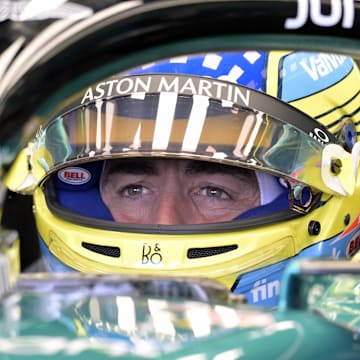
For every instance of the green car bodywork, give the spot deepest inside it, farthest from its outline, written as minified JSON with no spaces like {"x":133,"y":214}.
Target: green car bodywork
{"x":77,"y":316}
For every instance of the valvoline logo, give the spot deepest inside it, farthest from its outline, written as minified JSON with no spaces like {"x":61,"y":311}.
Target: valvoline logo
{"x":74,"y":175}
{"x":314,"y":71}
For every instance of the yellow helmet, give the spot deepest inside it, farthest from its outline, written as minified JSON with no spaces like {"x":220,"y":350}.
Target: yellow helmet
{"x":290,"y":118}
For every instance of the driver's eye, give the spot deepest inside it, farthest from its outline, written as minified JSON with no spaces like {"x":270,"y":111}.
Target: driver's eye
{"x":214,"y":192}
{"x":133,"y":190}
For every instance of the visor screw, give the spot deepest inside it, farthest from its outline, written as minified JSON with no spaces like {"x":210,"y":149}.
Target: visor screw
{"x":314,"y":227}
{"x":335,"y":166}
{"x":347,"y":219}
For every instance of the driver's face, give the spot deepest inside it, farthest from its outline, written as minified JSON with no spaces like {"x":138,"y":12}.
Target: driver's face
{"x":167,"y":191}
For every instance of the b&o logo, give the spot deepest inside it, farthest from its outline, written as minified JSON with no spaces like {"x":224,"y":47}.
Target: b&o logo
{"x":341,"y":12}
{"x":151,"y":254}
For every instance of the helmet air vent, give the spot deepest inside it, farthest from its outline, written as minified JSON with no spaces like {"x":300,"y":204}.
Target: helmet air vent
{"x":195,"y":253}
{"x":112,"y":251}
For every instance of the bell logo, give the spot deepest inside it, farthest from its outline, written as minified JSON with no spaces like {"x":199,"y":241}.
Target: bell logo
{"x":340,"y":12}
{"x":74,"y":175}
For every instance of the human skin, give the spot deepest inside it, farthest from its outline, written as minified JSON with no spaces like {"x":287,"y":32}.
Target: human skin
{"x":173,"y":191}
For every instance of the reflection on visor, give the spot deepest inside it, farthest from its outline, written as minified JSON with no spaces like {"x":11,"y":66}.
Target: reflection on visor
{"x":195,"y":121}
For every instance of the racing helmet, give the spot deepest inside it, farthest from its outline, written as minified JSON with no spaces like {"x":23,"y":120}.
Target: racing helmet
{"x":287,"y":120}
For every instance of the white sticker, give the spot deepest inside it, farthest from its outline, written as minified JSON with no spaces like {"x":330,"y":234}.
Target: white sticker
{"x":74,"y":175}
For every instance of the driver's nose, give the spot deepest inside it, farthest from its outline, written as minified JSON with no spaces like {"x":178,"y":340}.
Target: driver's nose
{"x":171,"y":209}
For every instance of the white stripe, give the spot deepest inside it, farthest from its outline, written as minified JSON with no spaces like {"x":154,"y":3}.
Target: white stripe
{"x":247,"y":135}
{"x":196,"y":123}
{"x":110,"y":111}
{"x":87,"y":129}
{"x":98,"y":105}
{"x":137,"y":139}
{"x":164,"y":120}
{"x":253,"y":134}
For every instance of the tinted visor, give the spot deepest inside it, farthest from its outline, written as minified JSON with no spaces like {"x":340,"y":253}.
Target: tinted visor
{"x":185,"y":117}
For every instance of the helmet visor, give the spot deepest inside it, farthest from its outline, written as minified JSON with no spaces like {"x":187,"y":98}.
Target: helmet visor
{"x":184,"y":117}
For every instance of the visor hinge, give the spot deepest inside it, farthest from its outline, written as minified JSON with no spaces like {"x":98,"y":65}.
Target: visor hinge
{"x":302,"y":199}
